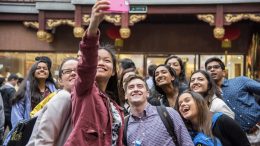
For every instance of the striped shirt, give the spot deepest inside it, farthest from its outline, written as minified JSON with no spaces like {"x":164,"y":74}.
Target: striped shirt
{"x":150,"y":130}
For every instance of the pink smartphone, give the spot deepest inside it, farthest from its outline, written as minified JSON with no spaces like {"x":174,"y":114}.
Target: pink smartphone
{"x":118,"y":6}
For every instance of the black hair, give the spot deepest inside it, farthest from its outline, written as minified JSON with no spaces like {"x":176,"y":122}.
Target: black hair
{"x":127,"y":63}
{"x":34,"y":89}
{"x":2,"y":80}
{"x":212,"y":88}
{"x":220,"y":62}
{"x":112,"y":85}
{"x":151,"y":69}
{"x":20,"y":80}
{"x":45,"y":59}
{"x":182,"y":76}
{"x":12,"y":77}
{"x":175,"y":82}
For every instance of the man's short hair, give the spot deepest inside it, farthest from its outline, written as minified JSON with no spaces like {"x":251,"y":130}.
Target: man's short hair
{"x":12,"y":76}
{"x":132,"y":77}
{"x":220,"y":62}
{"x":151,"y":69}
{"x":127,"y":63}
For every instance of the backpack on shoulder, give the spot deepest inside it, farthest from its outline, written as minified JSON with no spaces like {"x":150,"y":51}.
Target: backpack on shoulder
{"x":21,"y":133}
{"x":166,"y":119}
{"x":203,"y":140}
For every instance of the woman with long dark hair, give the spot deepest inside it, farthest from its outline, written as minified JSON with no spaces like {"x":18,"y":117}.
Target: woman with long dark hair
{"x":37,"y":85}
{"x":202,"y":83}
{"x":177,"y":64}
{"x":53,"y":124}
{"x":167,"y":84}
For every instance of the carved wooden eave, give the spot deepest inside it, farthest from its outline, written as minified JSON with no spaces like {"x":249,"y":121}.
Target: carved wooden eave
{"x":33,"y":24}
{"x":86,"y":19}
{"x":115,"y":19}
{"x":77,"y":14}
{"x":232,"y":18}
{"x":209,"y":18}
{"x":52,"y":23}
{"x":134,"y":18}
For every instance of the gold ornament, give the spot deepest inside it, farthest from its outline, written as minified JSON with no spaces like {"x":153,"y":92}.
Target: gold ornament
{"x":86,"y":19}
{"x":226,"y":43}
{"x":49,"y":37}
{"x":41,"y":35}
{"x":116,"y":19}
{"x":232,"y":18}
{"x":219,"y":32}
{"x":136,"y":18}
{"x":125,"y":33}
{"x":209,"y":18}
{"x":78,"y":32}
{"x":34,"y":24}
{"x":52,"y":23}
{"x":119,"y":42}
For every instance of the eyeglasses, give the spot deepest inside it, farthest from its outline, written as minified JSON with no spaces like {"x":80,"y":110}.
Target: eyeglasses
{"x":213,"y":66}
{"x":68,"y":71}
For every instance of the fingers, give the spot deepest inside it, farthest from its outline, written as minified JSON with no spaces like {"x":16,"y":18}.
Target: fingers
{"x":100,"y":6}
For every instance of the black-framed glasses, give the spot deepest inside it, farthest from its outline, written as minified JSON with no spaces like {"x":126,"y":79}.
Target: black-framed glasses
{"x":68,"y":71}
{"x":213,"y":66}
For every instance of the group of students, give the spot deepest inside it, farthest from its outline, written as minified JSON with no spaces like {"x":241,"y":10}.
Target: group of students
{"x":91,"y":106}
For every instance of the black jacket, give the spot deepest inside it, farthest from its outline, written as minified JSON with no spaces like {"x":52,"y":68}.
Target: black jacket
{"x":7,"y":93}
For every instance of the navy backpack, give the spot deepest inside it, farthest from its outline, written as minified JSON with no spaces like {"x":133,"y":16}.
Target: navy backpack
{"x":203,"y":140}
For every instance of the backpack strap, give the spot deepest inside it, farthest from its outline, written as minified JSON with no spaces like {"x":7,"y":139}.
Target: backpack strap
{"x":125,"y":130}
{"x":215,"y":117}
{"x":167,"y":121}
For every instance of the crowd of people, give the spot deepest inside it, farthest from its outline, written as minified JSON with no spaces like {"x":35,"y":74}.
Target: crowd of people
{"x":97,"y":104}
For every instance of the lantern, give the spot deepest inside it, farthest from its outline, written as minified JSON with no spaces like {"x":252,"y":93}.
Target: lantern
{"x":231,"y":33}
{"x":113,"y":32}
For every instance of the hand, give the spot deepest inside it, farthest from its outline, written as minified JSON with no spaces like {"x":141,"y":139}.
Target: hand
{"x":97,"y":16}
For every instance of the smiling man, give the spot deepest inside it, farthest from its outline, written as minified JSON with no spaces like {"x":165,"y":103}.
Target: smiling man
{"x":238,"y":93}
{"x":145,"y":126}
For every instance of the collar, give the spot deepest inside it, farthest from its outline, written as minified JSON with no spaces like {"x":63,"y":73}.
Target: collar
{"x":148,"y":111}
{"x":9,"y":84}
{"x":225,"y":83}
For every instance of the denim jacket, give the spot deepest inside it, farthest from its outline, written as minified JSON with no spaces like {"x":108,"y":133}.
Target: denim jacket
{"x":21,"y":110}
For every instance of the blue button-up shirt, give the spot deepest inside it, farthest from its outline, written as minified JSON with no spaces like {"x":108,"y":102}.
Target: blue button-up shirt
{"x":238,"y":95}
{"x":150,"y":130}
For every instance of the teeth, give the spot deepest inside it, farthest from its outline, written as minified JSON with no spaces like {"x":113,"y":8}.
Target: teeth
{"x":100,"y":69}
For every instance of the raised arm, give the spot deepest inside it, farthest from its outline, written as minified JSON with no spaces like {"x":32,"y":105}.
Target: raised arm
{"x":89,"y":46}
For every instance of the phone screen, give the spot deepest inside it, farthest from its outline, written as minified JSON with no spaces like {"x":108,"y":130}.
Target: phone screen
{"x":119,"y":6}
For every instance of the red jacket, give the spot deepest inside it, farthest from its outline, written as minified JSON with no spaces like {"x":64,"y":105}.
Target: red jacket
{"x":91,"y":114}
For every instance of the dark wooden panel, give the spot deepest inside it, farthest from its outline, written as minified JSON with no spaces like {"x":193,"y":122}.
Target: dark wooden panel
{"x":59,"y":15}
{"x":18,"y":17}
